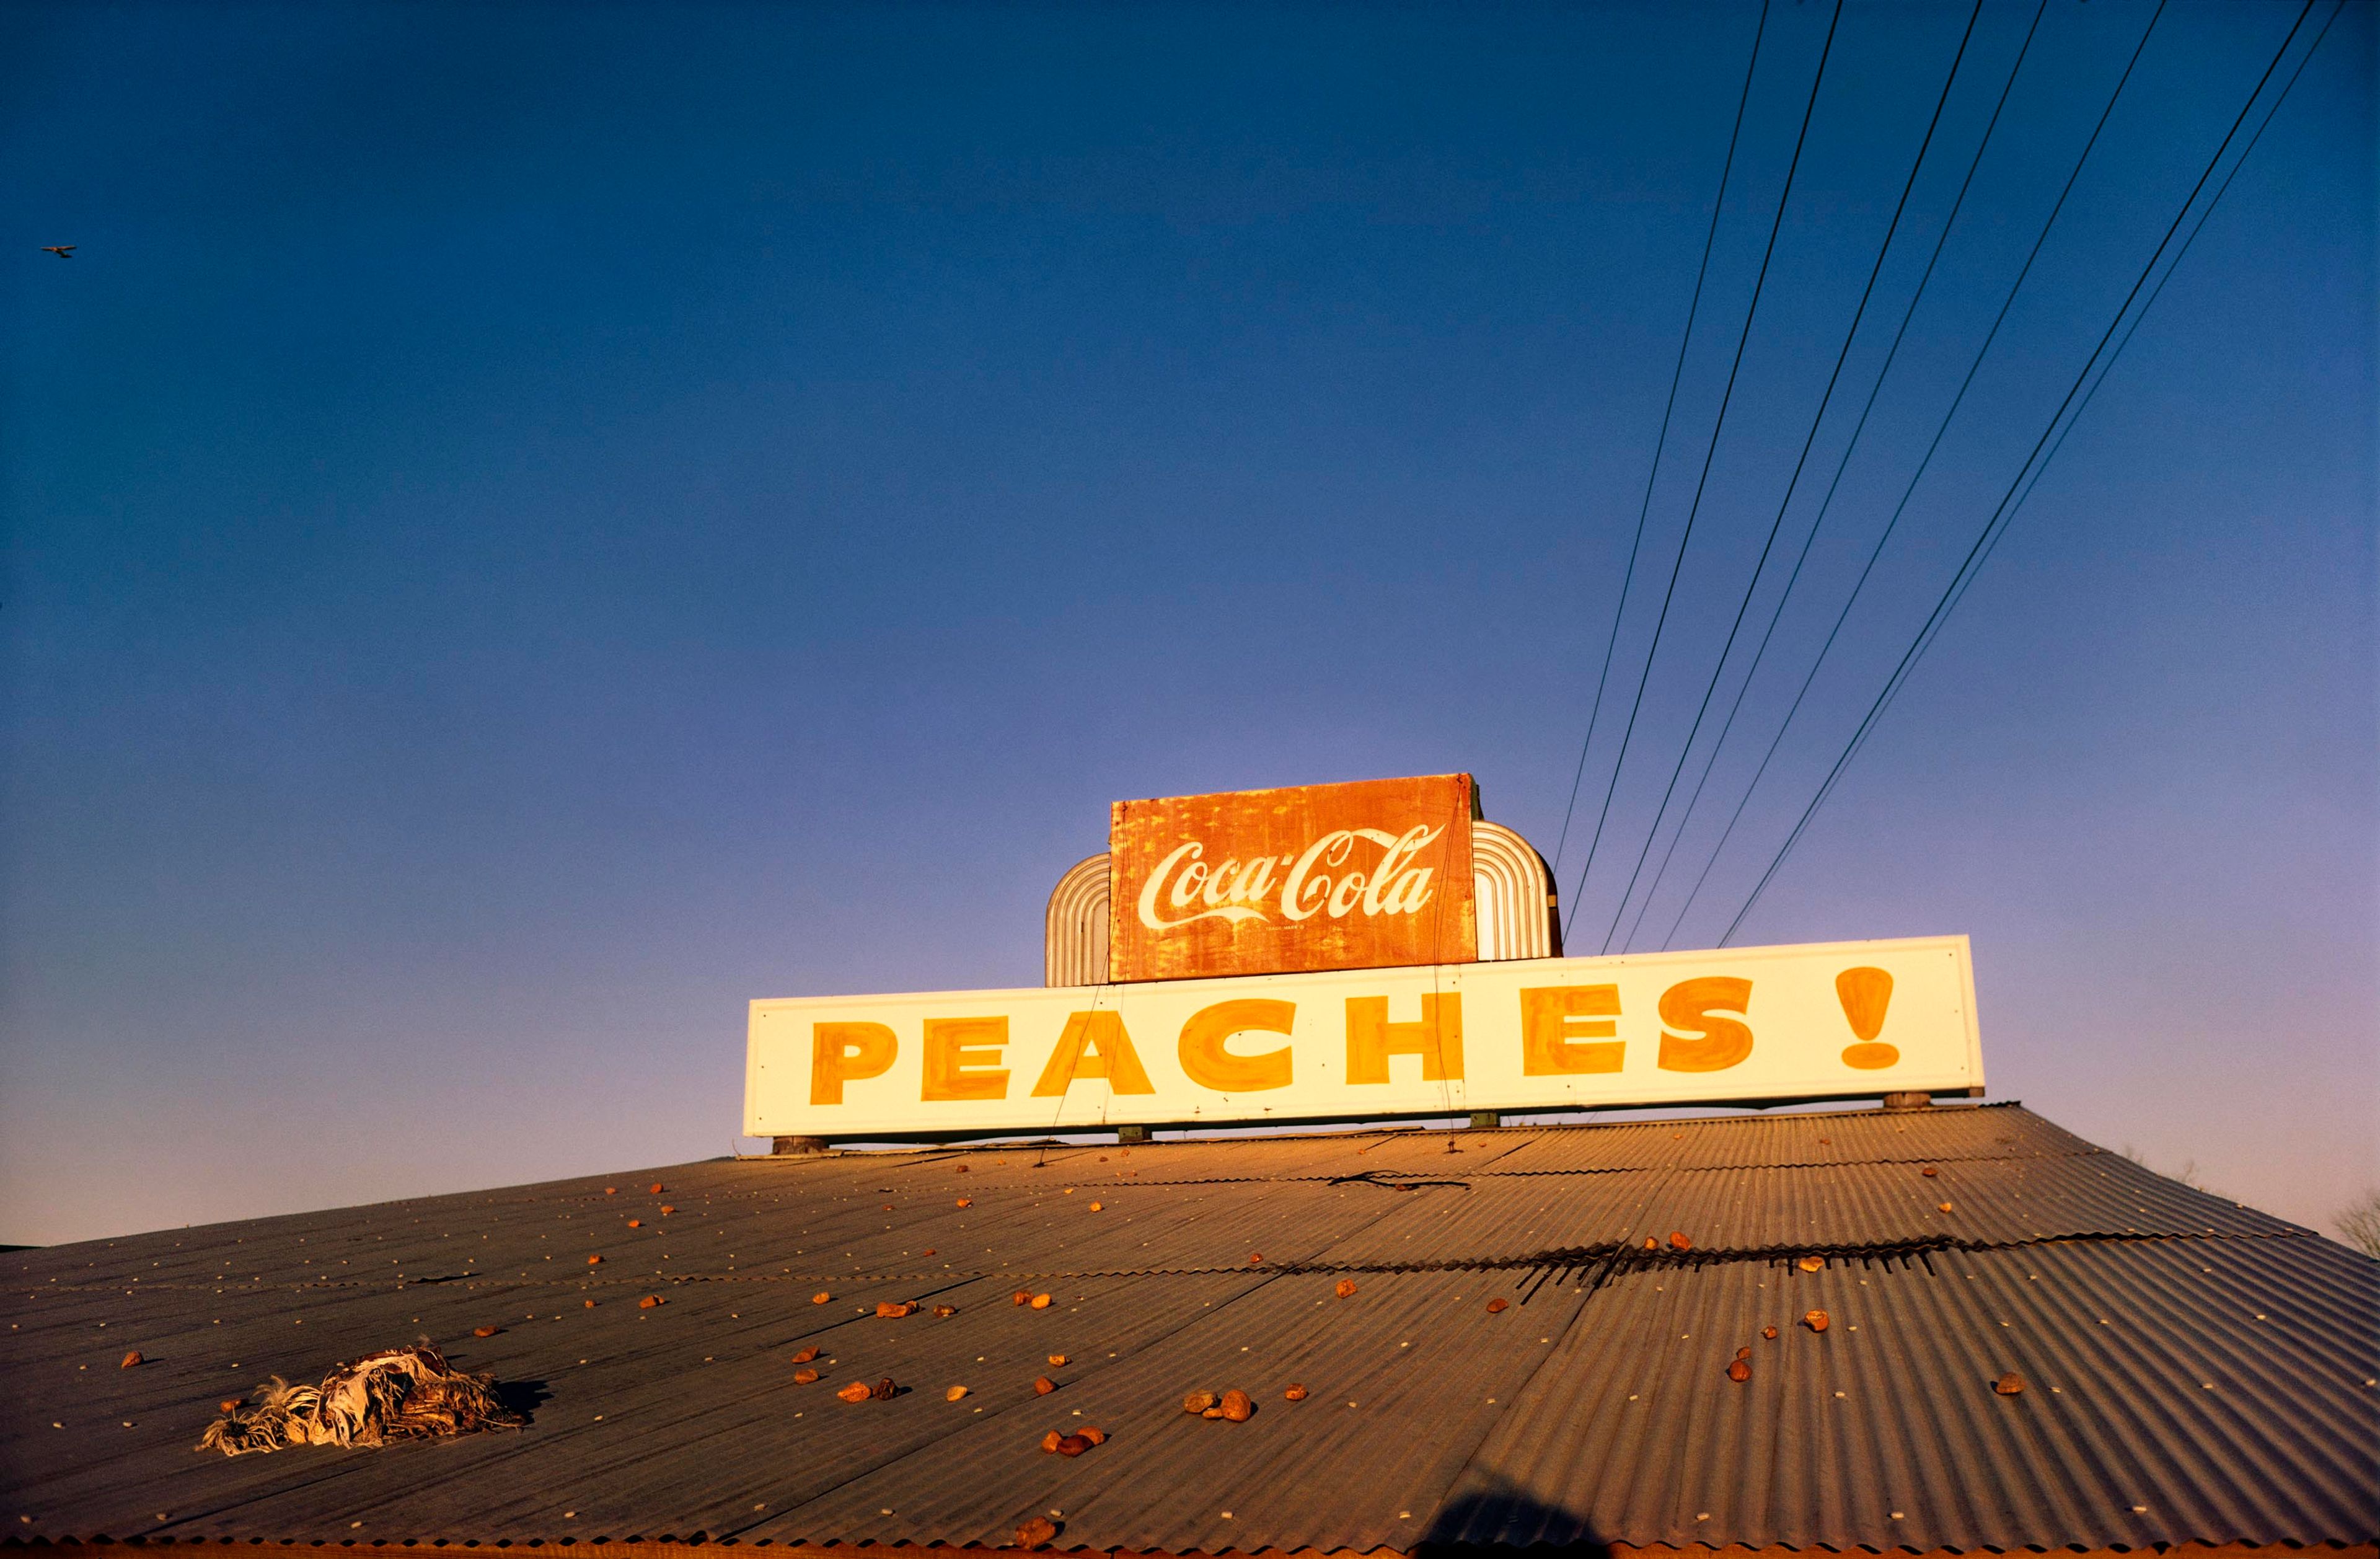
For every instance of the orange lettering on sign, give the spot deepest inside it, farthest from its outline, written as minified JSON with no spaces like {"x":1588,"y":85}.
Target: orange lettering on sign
{"x":841,"y":1053}
{"x":1554,"y":1018}
{"x":1437,"y":1038}
{"x":962,"y":1058}
{"x":1211,"y":1065}
{"x":1366,"y":875}
{"x":1695,"y":1006}
{"x":1865,"y":993}
{"x":1093,"y":1045}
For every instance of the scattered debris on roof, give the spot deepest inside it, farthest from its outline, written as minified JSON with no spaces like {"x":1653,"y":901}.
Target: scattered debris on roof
{"x":397,"y":1394}
{"x":2192,"y":1371}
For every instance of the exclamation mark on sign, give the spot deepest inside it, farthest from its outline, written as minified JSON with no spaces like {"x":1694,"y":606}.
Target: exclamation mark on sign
{"x":1866,"y":993}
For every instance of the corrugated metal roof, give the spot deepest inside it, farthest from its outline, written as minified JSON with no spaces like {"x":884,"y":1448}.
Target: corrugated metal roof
{"x":2209,"y":1365}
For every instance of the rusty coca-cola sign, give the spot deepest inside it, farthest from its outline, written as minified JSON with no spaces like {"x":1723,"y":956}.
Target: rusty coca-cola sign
{"x":1365,"y":875}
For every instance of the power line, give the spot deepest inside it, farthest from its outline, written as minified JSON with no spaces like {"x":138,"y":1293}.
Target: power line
{"x":2154,"y":293}
{"x":1826,"y":504}
{"x":2130,"y":331}
{"x":1876,"y":552}
{"x":2002,"y":509}
{"x":1792,"y":484}
{"x":1692,"y":307}
{"x":1760,"y":282}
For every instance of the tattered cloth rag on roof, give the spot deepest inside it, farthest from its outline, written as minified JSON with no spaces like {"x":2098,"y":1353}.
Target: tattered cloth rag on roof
{"x":398,"y":1394}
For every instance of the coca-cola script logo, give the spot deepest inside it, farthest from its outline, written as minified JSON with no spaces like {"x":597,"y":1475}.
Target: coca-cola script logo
{"x":1368,"y":875}
{"x":1329,"y":877}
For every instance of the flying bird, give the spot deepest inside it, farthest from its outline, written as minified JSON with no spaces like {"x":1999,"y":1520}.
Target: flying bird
{"x":64,"y":251}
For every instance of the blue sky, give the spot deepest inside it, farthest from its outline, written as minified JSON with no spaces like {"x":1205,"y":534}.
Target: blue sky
{"x":527,"y":528}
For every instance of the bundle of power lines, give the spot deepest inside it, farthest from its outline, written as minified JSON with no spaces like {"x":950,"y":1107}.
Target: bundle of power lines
{"x":1624,"y":929}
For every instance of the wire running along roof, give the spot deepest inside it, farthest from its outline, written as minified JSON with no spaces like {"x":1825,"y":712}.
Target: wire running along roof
{"x":2194,"y":1371}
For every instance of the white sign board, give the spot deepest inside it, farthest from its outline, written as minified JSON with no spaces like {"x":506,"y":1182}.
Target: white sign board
{"x":1758,"y":1024}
